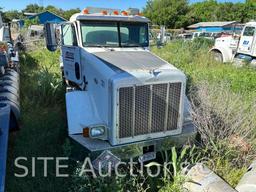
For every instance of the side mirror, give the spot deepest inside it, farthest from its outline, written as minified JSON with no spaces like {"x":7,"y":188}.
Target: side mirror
{"x":51,"y":36}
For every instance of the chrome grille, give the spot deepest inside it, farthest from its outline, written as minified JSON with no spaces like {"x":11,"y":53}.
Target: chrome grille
{"x":159,"y":107}
{"x":142,"y":102}
{"x":126,"y":105}
{"x":148,"y":109}
{"x":173,"y":109}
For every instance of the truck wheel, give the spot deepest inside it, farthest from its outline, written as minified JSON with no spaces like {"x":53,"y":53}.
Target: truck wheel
{"x":217,"y":56}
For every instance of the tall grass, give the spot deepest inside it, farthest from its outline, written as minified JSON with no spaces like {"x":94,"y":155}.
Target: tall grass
{"x":43,"y":127}
{"x":221,"y":115}
{"x":198,"y":65}
{"x":222,"y":99}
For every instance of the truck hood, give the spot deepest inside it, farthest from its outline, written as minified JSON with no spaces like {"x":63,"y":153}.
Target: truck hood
{"x":131,"y":61}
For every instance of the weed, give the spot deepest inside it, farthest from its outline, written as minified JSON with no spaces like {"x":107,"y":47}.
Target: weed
{"x":222,"y":98}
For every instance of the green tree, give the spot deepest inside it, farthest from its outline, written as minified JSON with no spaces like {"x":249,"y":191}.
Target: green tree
{"x":67,"y":14}
{"x":29,"y":22}
{"x":204,"y":11}
{"x":13,"y":14}
{"x":54,"y":10}
{"x":33,"y":8}
{"x":171,"y":13}
{"x":231,"y":12}
{"x":250,"y":10}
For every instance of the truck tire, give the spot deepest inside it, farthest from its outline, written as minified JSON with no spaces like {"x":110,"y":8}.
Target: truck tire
{"x":217,"y":56}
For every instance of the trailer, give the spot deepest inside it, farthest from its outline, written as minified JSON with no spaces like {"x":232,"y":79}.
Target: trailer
{"x":9,"y":95}
{"x":4,"y":133}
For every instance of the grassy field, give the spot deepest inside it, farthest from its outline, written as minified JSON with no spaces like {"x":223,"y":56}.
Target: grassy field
{"x":215,"y":88}
{"x":223,"y":101}
{"x":43,"y":125}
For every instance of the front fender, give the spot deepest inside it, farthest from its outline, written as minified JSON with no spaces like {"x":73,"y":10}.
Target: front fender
{"x":227,"y":53}
{"x":81,"y":111}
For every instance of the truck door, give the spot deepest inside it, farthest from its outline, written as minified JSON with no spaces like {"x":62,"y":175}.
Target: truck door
{"x":71,"y":54}
{"x":247,"y":40}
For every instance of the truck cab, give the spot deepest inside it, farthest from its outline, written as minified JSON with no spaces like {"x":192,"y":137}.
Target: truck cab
{"x":247,"y":44}
{"x":237,"y":49}
{"x":121,"y":97}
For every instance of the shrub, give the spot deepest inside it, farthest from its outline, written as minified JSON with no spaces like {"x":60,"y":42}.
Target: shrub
{"x":225,"y":121}
{"x":42,"y":78}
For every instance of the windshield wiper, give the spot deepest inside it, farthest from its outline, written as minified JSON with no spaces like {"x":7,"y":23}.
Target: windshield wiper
{"x":99,"y":45}
{"x":132,"y":45}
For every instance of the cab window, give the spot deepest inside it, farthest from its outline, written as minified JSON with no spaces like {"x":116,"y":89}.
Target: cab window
{"x":69,"y":35}
{"x":249,"y":31}
{"x":133,"y":34}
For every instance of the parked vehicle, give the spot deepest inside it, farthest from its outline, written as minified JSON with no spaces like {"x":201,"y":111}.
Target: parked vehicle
{"x":185,"y":36}
{"x":120,"y":96}
{"x":167,"y":37}
{"x":206,"y":35}
{"x":237,"y":49}
{"x":9,"y":95}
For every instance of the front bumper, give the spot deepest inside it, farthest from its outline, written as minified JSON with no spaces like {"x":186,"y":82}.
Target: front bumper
{"x":133,"y":150}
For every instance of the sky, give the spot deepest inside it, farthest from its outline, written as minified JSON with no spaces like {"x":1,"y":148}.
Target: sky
{"x":68,"y":4}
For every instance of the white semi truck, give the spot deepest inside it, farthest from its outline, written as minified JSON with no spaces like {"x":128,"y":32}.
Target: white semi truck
{"x":235,"y":49}
{"x":120,"y":97}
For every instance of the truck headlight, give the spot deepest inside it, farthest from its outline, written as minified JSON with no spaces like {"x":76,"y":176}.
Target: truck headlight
{"x":97,"y":131}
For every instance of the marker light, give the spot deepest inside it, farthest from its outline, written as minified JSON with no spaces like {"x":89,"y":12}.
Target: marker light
{"x":104,"y":12}
{"x":86,"y":132}
{"x":124,"y":13}
{"x":115,"y":12}
{"x":85,"y":11}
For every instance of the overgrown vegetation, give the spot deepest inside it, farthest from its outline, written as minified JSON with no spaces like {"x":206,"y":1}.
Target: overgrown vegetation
{"x":181,"y":13}
{"x":42,"y":126}
{"x":222,"y":98}
{"x":223,"y":101}
{"x":172,"y":13}
{"x":29,"y":22}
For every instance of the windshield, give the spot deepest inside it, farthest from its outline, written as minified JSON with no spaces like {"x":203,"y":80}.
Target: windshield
{"x":249,"y":31}
{"x":114,"y":34}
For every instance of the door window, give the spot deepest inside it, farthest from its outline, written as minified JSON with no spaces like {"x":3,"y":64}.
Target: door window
{"x":249,"y":31}
{"x":69,"y":35}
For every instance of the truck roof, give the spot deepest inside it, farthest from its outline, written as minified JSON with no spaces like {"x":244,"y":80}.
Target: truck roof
{"x":102,"y":17}
{"x":251,"y":23}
